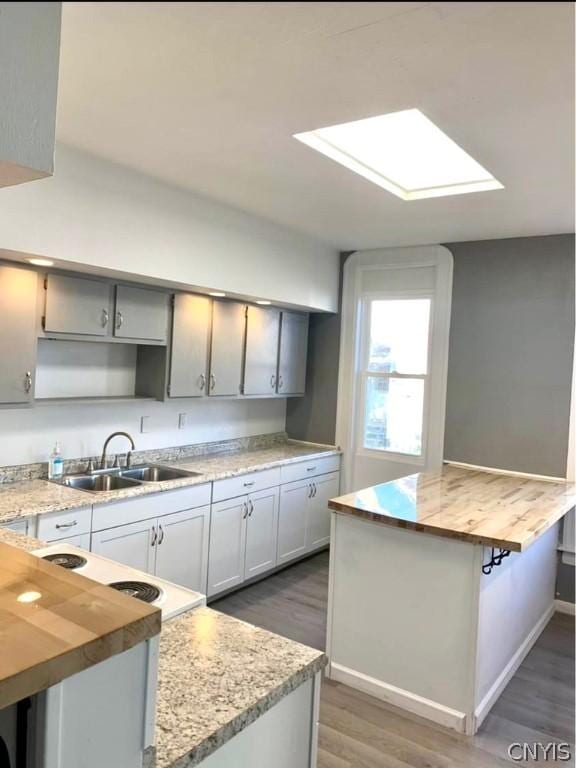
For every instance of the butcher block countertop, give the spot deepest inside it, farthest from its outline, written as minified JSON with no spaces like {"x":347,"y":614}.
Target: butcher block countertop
{"x":55,"y":623}
{"x":480,"y":507}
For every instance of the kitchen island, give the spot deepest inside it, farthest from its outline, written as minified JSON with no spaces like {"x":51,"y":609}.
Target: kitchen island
{"x":440,"y":583}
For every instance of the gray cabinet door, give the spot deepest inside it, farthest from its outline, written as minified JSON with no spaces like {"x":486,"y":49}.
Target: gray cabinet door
{"x":140,"y":313}
{"x":227,"y":347}
{"x":18,"y":293}
{"x":189,"y":347}
{"x":262,"y":330}
{"x":293,"y":354}
{"x":77,"y":305}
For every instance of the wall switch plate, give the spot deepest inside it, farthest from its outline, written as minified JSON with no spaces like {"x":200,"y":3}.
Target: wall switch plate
{"x":144,"y":424}
{"x":182,"y":419}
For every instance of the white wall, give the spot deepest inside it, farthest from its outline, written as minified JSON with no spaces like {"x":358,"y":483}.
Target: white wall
{"x":29,"y":54}
{"x":93,"y":212}
{"x":28,"y":435}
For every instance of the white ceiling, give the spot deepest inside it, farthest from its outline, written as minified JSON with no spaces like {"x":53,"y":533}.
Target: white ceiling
{"x":208,"y":95}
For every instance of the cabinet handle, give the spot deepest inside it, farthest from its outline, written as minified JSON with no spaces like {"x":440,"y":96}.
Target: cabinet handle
{"x":201,"y":382}
{"x":119,"y":319}
{"x":67,"y":525}
{"x":249,"y":484}
{"x":105,"y":318}
{"x":273,"y":381}
{"x":310,"y":491}
{"x":245,"y":515}
{"x":314,"y":490}
{"x":280,"y":382}
{"x":161,"y":539}
{"x":310,"y":469}
{"x":212,"y":381}
{"x":154,"y":536}
{"x":27,"y":381}
{"x":251,"y":508}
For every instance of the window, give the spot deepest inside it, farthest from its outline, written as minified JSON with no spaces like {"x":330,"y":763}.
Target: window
{"x":395,"y":373}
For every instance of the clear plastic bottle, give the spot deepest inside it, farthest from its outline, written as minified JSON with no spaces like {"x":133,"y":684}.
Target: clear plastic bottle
{"x":55,"y":463}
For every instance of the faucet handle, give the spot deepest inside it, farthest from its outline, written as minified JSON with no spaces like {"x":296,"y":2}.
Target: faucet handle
{"x":116,"y":464}
{"x":90,"y":468}
{"x":128,"y":459}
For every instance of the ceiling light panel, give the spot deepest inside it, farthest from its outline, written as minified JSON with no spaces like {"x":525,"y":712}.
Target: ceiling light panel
{"x":403,"y":152}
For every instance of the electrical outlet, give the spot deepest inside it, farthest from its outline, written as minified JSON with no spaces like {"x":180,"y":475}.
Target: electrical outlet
{"x":182,"y":419}
{"x":144,"y":424}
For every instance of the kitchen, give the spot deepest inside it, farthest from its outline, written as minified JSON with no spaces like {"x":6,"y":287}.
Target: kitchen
{"x":235,"y":355}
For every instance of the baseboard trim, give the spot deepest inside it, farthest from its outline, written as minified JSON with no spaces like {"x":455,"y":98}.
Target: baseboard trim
{"x":509,"y":670}
{"x":563,"y":606}
{"x":399,"y":697}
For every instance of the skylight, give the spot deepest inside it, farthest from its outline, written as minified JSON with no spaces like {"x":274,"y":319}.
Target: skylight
{"x":403,"y":152}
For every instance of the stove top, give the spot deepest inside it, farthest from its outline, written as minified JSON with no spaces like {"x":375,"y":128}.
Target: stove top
{"x":66,"y":560}
{"x":172,"y":599}
{"x":148,"y":593}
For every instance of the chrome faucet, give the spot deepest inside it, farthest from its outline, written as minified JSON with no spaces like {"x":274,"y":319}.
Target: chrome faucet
{"x":105,"y":448}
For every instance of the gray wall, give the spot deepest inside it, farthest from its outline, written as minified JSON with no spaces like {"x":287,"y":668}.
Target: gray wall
{"x":511,"y":348}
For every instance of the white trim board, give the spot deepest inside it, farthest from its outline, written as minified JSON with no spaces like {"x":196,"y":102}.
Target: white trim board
{"x":483,"y":709}
{"x":563,"y":606}
{"x":418,"y":705}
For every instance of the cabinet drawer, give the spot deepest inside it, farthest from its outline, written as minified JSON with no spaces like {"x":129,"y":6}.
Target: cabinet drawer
{"x":237,"y":486}
{"x":149,"y":506}
{"x":311,"y":468}
{"x":62,"y":525}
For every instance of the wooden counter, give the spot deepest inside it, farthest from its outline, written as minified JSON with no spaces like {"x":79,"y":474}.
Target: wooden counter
{"x":480,"y":507}
{"x":55,"y":623}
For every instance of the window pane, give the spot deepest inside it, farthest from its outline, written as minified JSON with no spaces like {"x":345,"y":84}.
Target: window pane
{"x":393,"y":414}
{"x":399,"y":335}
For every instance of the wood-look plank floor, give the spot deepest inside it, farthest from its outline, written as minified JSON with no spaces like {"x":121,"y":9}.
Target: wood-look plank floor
{"x":358,"y":731}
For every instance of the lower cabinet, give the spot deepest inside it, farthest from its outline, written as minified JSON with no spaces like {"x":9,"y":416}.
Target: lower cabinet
{"x":173,"y":547}
{"x":82,"y":541}
{"x":304,"y":517}
{"x":243,"y":535}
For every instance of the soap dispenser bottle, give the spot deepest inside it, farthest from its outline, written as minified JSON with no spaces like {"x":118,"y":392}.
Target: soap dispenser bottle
{"x":55,"y":463}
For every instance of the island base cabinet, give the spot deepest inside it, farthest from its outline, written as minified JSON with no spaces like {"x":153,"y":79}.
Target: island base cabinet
{"x":286,"y":736}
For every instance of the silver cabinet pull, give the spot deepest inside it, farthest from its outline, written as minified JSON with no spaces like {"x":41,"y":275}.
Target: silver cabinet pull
{"x":314,"y":490}
{"x":280,"y":382}
{"x":212,"y":381}
{"x":71,"y":524}
{"x":310,"y":469}
{"x":27,"y":381}
{"x":154,"y":536}
{"x":249,"y":484}
{"x":119,"y":319}
{"x":251,"y":508}
{"x":310,"y":491}
{"x":245,"y":507}
{"x":201,"y":382}
{"x":105,"y":318}
{"x":273,"y":381}
{"x":161,"y":539}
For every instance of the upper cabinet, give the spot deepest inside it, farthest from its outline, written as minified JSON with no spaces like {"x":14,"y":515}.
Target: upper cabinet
{"x":29,"y":56}
{"x":77,"y":305}
{"x":191,"y":321}
{"x":261,"y":360}
{"x":18,"y":291}
{"x":140,"y":313}
{"x":292,"y":354}
{"x":82,"y":307}
{"x":227,"y":348}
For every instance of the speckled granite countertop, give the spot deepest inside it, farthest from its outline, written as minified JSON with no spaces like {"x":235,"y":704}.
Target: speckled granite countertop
{"x":216,"y":676}
{"x":34,"y":497}
{"x":19,"y":540}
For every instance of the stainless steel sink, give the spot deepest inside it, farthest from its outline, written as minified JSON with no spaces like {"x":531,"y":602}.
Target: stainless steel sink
{"x":99,"y":483}
{"x":156,"y":474}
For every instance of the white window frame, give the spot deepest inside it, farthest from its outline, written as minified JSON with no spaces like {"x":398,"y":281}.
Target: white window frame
{"x":348,"y":434}
{"x":365,"y":303}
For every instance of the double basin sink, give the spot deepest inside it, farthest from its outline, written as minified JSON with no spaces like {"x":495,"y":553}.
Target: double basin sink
{"x":124,"y":477}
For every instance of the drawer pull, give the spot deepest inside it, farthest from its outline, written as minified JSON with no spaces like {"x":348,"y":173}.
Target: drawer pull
{"x":67,"y":525}
{"x":248,"y":485}
{"x":310,"y":469}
